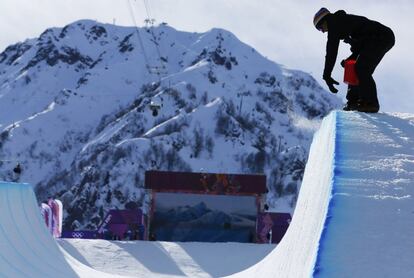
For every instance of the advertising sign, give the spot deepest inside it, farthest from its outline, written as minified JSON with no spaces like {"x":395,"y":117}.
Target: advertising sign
{"x":206,"y":218}
{"x":207,"y":183}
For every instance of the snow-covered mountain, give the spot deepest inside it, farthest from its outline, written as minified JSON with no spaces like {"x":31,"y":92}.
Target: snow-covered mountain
{"x":75,"y":113}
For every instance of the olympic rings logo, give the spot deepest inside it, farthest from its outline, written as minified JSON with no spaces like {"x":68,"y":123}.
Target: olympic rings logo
{"x":77,"y":235}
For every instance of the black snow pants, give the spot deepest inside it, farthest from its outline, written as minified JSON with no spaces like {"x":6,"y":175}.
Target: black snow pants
{"x":352,"y":94}
{"x":371,"y":53}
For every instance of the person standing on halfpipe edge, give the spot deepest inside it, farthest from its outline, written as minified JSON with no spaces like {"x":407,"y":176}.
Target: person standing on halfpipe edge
{"x":369,"y":40}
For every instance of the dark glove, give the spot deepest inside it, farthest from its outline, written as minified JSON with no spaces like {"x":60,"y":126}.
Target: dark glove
{"x":331,"y":82}
{"x":343,"y":63}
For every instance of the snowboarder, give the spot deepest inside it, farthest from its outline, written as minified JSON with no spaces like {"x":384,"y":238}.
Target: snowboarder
{"x":369,"y":40}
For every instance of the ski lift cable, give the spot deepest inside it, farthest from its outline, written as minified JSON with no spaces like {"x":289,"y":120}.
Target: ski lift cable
{"x":149,"y":68}
{"x":151,"y":20}
{"x":147,"y":8}
{"x":139,"y":36}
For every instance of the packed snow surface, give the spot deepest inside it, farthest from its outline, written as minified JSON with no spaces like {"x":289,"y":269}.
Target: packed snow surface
{"x":295,"y":255}
{"x":26,"y":247}
{"x":354,"y":218}
{"x":166,"y":259}
{"x":370,"y":225}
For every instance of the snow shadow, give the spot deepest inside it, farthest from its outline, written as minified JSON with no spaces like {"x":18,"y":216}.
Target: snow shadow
{"x":191,"y":258}
{"x":152,"y":256}
{"x":71,"y":250}
{"x":224,"y":259}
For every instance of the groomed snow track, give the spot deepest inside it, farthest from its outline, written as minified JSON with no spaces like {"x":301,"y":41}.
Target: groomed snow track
{"x":355,"y":212}
{"x":26,"y":247}
{"x":354,"y":216}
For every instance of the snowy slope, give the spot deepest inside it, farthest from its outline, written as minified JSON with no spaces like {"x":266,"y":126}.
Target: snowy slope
{"x":295,"y":255}
{"x":27,"y":249}
{"x":353,"y":219}
{"x":166,"y":259}
{"x":364,"y":204}
{"x":371,"y":214}
{"x":75,"y":113}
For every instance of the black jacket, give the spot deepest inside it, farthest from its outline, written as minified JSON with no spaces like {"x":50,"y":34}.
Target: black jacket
{"x":353,"y":29}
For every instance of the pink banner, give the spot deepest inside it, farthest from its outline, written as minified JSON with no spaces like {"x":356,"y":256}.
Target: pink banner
{"x":56,"y":217}
{"x":46,"y":213}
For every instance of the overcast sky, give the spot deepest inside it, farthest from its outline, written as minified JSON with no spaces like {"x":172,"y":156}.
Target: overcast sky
{"x":280,"y":30}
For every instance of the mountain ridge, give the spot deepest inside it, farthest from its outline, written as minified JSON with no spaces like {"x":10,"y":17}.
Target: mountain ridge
{"x":75,"y":113}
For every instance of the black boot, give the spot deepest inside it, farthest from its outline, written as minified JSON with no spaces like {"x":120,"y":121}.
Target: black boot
{"x":368,"y":107}
{"x":352,"y":97}
{"x":350,"y":106}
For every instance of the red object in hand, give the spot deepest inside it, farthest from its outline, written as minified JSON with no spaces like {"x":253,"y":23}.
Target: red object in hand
{"x":350,"y":76}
